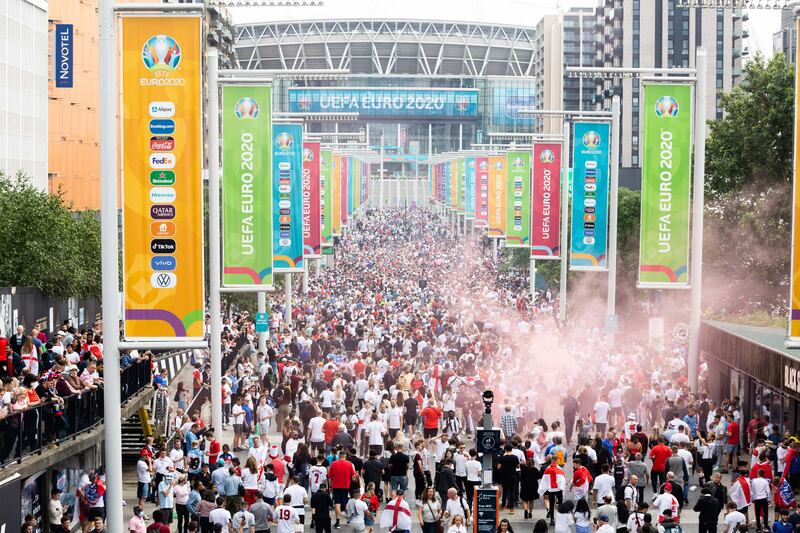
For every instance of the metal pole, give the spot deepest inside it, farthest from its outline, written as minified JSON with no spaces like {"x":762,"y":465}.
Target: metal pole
{"x":487,"y":467}
{"x":112,"y":427}
{"x":562,"y":293}
{"x":262,"y":308}
{"x":460,"y":136}
{"x":287,"y":311}
{"x":318,"y":268}
{"x":698,"y":190}
{"x":611,"y":303}
{"x":380,"y":202}
{"x":533,"y":280}
{"x":430,"y":154}
{"x":494,"y":251}
{"x":214,"y":253}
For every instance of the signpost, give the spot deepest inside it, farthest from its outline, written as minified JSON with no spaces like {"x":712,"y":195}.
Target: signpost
{"x":262,"y":322}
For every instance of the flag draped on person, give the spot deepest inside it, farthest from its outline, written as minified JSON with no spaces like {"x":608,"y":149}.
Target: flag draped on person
{"x":553,"y":479}
{"x":740,"y":492}
{"x":581,"y":480}
{"x":784,"y":495}
{"x":396,"y":515}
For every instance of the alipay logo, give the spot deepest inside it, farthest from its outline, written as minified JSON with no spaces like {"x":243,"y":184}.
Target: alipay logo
{"x":161,"y":52}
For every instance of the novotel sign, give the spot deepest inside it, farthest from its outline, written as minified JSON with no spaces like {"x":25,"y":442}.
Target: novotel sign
{"x":63,"y":50}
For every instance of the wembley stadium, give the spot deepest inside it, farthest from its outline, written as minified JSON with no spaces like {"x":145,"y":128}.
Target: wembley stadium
{"x":420,"y":84}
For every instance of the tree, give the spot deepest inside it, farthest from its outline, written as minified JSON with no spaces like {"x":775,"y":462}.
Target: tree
{"x":45,"y":244}
{"x":755,"y":136}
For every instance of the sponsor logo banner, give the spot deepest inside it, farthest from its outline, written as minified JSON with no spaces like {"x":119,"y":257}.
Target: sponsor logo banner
{"x":470,"y":190}
{"x":546,"y":201}
{"x":590,"y":158}
{"x":518,"y":199}
{"x":162,"y":216}
{"x":246,"y":185}
{"x":336,"y":195}
{"x":311,"y":199}
{"x":287,"y":195}
{"x":666,"y":182}
{"x":482,"y":194}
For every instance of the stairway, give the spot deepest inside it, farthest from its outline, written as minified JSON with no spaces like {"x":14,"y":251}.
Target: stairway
{"x":133,"y":435}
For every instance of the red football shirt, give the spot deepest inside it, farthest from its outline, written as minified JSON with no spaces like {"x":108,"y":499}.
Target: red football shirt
{"x":340,"y":473}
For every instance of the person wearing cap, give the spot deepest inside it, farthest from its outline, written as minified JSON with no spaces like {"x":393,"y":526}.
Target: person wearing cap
{"x":603,"y":525}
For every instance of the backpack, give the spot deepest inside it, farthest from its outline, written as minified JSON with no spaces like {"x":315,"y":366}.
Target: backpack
{"x":560,"y":456}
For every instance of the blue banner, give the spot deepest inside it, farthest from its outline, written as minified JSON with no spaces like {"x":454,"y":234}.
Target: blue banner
{"x":62,"y":55}
{"x":590,"y":158}
{"x":507,"y":101}
{"x":351,"y":188}
{"x":448,"y":184}
{"x":389,"y":102}
{"x":287,"y":197}
{"x":470,"y":189}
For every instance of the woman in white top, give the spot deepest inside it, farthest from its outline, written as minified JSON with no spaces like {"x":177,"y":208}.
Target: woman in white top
{"x":457,"y":525}
{"x":250,"y":480}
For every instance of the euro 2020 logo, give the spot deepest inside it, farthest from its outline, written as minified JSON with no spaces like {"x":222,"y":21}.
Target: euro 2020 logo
{"x":547,"y":156}
{"x":667,"y":106}
{"x":484,"y":165}
{"x":498,"y":165}
{"x":518,"y":163}
{"x":161,"y":52}
{"x":462,"y":104}
{"x":304,"y":102}
{"x":284,"y":141}
{"x":591,"y":139}
{"x":308,"y":155}
{"x":246,"y":108}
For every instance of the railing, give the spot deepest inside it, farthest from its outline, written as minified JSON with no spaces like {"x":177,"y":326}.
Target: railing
{"x":29,"y":432}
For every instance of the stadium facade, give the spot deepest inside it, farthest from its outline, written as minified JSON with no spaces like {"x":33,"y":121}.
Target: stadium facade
{"x":448,"y":83}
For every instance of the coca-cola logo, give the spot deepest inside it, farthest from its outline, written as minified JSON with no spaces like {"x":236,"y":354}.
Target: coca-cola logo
{"x":162,"y":144}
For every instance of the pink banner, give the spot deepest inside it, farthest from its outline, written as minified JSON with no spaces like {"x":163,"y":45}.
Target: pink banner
{"x":482,"y":194}
{"x":345,"y":189}
{"x":546,"y":200}
{"x":311,"y":201}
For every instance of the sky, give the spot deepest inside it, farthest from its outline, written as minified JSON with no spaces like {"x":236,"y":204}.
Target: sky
{"x":761,"y":26}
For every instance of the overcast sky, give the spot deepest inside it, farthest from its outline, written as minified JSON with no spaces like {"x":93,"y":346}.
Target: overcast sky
{"x":761,"y":26}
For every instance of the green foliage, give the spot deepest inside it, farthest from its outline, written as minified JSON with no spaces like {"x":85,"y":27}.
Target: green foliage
{"x":45,"y":244}
{"x":755,"y":135}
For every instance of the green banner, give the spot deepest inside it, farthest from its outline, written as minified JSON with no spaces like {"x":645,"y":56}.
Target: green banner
{"x":462,"y":186}
{"x":518,"y":199}
{"x":326,"y":195}
{"x":246,"y":185}
{"x":666,"y":179}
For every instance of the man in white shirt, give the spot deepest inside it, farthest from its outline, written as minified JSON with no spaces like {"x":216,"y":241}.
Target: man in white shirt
{"x":456,"y":505}
{"x":143,"y":480}
{"x":244,"y":518}
{"x":733,"y":519}
{"x":315,"y":435}
{"x":603,"y":525}
{"x":221,"y":516}
{"x":603,"y":486}
{"x":374,"y":433}
{"x":298,"y":496}
{"x":474,"y":469}
{"x":760,"y":493}
{"x":601,"y":410}
{"x":258,"y":452}
{"x":286,"y":516}
{"x":177,"y":457}
{"x":355,"y":511}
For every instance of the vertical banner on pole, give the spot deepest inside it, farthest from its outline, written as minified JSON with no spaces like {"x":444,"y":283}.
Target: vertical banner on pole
{"x":311,"y":200}
{"x":448,"y":183}
{"x":287,"y":195}
{"x":546,"y":201}
{"x":794,"y":304}
{"x":518,"y":199}
{"x":470,"y":190}
{"x":344,"y":188}
{"x":461,"y":199}
{"x":246,"y":186}
{"x":666,"y":171}
{"x":590,"y":161}
{"x":454,"y":184}
{"x":336,"y":195}
{"x":443,"y":183}
{"x":497,"y":196}
{"x":326,"y":198}
{"x":162,"y":160}
{"x":482,"y":195}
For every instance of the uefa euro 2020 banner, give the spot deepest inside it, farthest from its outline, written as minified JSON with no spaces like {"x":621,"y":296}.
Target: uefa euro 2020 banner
{"x":590,"y":160}
{"x":461,"y":199}
{"x":482,"y":194}
{"x":326,"y":198}
{"x":287,"y":197}
{"x":666,"y":179}
{"x":454,"y":184}
{"x":162,"y":161}
{"x":794,"y":304}
{"x":497,"y":196}
{"x":246,"y":186}
{"x":546,"y":201}
{"x":311,"y":200}
{"x":518,"y":199}
{"x":469,"y":190}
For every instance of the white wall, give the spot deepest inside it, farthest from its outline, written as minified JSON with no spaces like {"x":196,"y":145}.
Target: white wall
{"x":23,"y":88}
